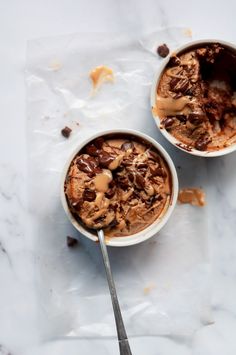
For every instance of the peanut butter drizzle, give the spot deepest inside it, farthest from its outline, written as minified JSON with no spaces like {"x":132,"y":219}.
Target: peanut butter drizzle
{"x":116,"y":162}
{"x":100,"y":75}
{"x":193,"y":196}
{"x":102,"y":181}
{"x":167,"y":106}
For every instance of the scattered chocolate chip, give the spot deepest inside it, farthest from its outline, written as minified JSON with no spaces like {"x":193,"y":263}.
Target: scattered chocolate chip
{"x":92,"y":150}
{"x":89,"y":195}
{"x":139,"y":181}
{"x":202,"y":142}
{"x":168,"y":122}
{"x":105,"y":159}
{"x":98,"y":142}
{"x":174,"y":61}
{"x":127,"y":145}
{"x":71,"y":242}
{"x":66,"y":132}
{"x":163,"y":50}
{"x":88,"y":165}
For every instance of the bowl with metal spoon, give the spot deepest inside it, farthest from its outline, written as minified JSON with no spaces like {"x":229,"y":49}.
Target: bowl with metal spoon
{"x":121,"y":181}
{"x":119,"y":188}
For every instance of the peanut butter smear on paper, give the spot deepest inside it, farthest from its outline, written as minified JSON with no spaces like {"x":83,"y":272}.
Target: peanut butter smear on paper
{"x":100,"y":75}
{"x":193,"y":196}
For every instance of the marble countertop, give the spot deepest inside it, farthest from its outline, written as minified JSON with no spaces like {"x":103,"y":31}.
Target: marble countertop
{"x":24,"y":20}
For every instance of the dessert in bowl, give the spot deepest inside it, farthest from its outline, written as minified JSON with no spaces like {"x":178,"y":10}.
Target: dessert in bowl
{"x":121,"y":181}
{"x":193,"y":98}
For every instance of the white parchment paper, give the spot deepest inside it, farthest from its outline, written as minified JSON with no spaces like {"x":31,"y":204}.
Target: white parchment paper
{"x":163,"y":283}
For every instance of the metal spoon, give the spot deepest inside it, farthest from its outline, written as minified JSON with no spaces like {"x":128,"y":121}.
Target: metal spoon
{"x":121,"y":332}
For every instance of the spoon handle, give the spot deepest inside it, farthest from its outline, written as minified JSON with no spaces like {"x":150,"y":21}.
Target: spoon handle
{"x":121,"y":333}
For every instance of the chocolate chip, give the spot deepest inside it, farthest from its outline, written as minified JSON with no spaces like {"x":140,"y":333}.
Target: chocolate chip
{"x":173,"y":83}
{"x":77,"y":204}
{"x":127,"y":162}
{"x":139,"y":181}
{"x":99,"y":220}
{"x":142,"y":165}
{"x":179,"y":85}
{"x":113,"y":207}
{"x":168,"y":122}
{"x":131,"y":177}
{"x":174,"y":61}
{"x":113,"y":223}
{"x":123,"y":182}
{"x":181,"y":118}
{"x":163,"y":50}
{"x":158,"y":172}
{"x":127,"y":145}
{"x":112,"y":183}
{"x":88,"y":165}
{"x":177,"y":95}
{"x":151,"y":200}
{"x":110,"y":192}
{"x":152,"y":155}
{"x":105,"y":159}
{"x":89,"y":195}
{"x":71,"y":242}
{"x":196,"y":118}
{"x":98,"y":142}
{"x":190,"y":91}
{"x":92,"y":150}
{"x":202,"y":142}
{"x":66,"y":132}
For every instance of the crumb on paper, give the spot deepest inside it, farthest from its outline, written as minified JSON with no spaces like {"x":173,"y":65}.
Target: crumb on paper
{"x":163,"y":50}
{"x":193,"y":196}
{"x":66,"y":131}
{"x":71,"y":242}
{"x":149,"y":288}
{"x":55,"y":65}
{"x":188,"y":32}
{"x":100,"y":75}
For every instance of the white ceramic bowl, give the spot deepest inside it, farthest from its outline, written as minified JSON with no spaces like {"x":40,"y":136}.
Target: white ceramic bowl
{"x":150,"y":230}
{"x":157,"y":78}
